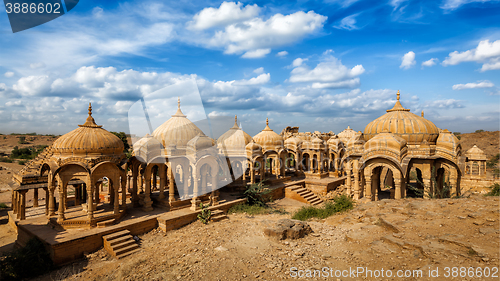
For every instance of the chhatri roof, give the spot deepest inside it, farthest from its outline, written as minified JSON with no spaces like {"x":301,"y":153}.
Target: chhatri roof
{"x":235,"y":137}
{"x":89,"y":139}
{"x":268,"y":139}
{"x":178,"y":130}
{"x":400,"y":121}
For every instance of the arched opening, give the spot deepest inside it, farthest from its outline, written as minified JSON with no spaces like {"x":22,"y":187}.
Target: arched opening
{"x":305,"y":162}
{"x":415,"y":184}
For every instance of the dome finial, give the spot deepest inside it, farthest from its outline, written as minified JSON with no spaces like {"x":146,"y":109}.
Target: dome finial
{"x":398,"y":94}
{"x":90,"y":122}
{"x":236,"y":120}
{"x":267,"y":121}
{"x":90,"y":109}
{"x":179,"y":112}
{"x":178,"y":102}
{"x":422,"y":113}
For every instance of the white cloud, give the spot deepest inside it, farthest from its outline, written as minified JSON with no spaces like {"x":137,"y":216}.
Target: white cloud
{"x":255,"y":54}
{"x":282,"y":54}
{"x":8,"y":74}
{"x":227,"y":13}
{"x":32,"y":85}
{"x":348,"y":23}
{"x":479,"y":84}
{"x":298,"y":62}
{"x":258,"y":34}
{"x":448,"y":103}
{"x":430,"y":62}
{"x":396,"y":3}
{"x":261,"y":79}
{"x":485,"y":52}
{"x":259,"y":70}
{"x":37,"y":65}
{"x":330,"y":73}
{"x":218,"y":113}
{"x":408,"y":60}
{"x":454,"y":4}
{"x":342,"y":3}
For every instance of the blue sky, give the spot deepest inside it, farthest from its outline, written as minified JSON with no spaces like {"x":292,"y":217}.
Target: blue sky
{"x":319,"y":65}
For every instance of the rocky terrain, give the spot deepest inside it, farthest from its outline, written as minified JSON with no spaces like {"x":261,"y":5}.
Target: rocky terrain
{"x":409,"y":236}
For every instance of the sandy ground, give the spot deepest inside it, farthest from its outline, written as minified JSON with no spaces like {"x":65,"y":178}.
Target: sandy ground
{"x":409,"y":236}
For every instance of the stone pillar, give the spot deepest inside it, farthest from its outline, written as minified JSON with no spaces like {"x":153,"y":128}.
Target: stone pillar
{"x":348,"y":181}
{"x":195,"y":201}
{"x":116,"y":201}
{"x":46,"y":200}
{"x":368,"y":186}
{"x":135,"y":198}
{"x":35,"y":197}
{"x":52,"y":203}
{"x":397,"y":188}
{"x":147,"y":195}
{"x":96,"y":191}
{"x":204,"y":186}
{"x":111,"y":191}
{"x":22,"y":210}
{"x":141,"y":182}
{"x":14,"y":202}
{"x":454,"y":191}
{"x":124,"y":181}
{"x":214,"y":197}
{"x":162,"y":182}
{"x":171,"y":189}
{"x":90,"y":202}
{"x":185,"y":183}
{"x":252,"y":173}
{"x":357,"y":190}
{"x":62,"y":200}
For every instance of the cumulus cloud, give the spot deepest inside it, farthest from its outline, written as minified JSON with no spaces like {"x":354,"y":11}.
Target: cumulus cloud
{"x":455,"y":4}
{"x":408,"y":60}
{"x":282,"y":54}
{"x":255,"y":54}
{"x":261,"y":79}
{"x":330,"y":73}
{"x":227,"y":13}
{"x":442,"y":104}
{"x":8,"y":74}
{"x":348,"y":23}
{"x":259,"y":70}
{"x":486,"y":52}
{"x":479,"y":84}
{"x":257,"y":36}
{"x":298,"y":62}
{"x":430,"y":62}
{"x":37,"y":65}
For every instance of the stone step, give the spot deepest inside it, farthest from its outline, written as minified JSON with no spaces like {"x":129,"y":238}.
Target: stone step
{"x":126,"y":254}
{"x":125,"y":249}
{"x":119,"y":240}
{"x":115,"y":235}
{"x":106,"y":223}
{"x":125,"y":244}
{"x":218,"y":218}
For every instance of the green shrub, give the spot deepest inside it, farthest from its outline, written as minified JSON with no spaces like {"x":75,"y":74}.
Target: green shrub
{"x":255,"y":210}
{"x":205,"y":214}
{"x":26,"y":152}
{"x":5,"y":160}
{"x":257,"y":194}
{"x":22,"y":140}
{"x":26,"y":262}
{"x":339,"y":204}
{"x":493,"y":162}
{"x":479,"y":131}
{"x":3,"y":206}
{"x":495,"y":190}
{"x":21,"y":162}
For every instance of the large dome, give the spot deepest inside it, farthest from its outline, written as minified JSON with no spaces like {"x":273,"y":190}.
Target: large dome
{"x":89,"y":139}
{"x":401,"y":122}
{"x":177,"y":130}
{"x":268,"y":139}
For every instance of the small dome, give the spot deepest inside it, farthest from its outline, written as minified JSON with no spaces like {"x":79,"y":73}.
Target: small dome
{"x":200,"y":142}
{"x":177,"y":130}
{"x":475,"y":153}
{"x":268,"y":139}
{"x":334,"y":143}
{"x":89,"y":139}
{"x":234,"y":137}
{"x":385,"y":141}
{"x":147,"y":148}
{"x":293,"y":143}
{"x":317,"y":140}
{"x":346,"y":134}
{"x":448,"y":141}
{"x":400,"y":121}
{"x":253,"y":149}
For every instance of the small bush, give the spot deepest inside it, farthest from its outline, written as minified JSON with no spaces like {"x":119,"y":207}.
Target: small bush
{"x":22,"y":140}
{"x":479,"y":131}
{"x":495,"y":190}
{"x":205,"y":214}
{"x":21,"y":162}
{"x":257,"y":194}
{"x":255,"y":210}
{"x":5,"y":160}
{"x":3,"y":206}
{"x":339,"y":204}
{"x":26,"y":262}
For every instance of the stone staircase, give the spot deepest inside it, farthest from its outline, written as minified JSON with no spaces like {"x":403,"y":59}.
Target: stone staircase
{"x":32,"y":166}
{"x":120,"y":244}
{"x":299,"y":193}
{"x":217,"y":215}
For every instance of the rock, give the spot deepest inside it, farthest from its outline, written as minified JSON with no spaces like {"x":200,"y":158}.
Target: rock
{"x":388,"y":225}
{"x":287,"y":229}
{"x":221,"y":249}
{"x":487,"y":230}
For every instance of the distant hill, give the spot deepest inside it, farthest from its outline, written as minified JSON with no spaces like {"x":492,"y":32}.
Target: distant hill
{"x":489,"y":142}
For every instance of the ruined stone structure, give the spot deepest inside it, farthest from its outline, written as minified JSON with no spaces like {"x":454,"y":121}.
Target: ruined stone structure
{"x":183,"y":167}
